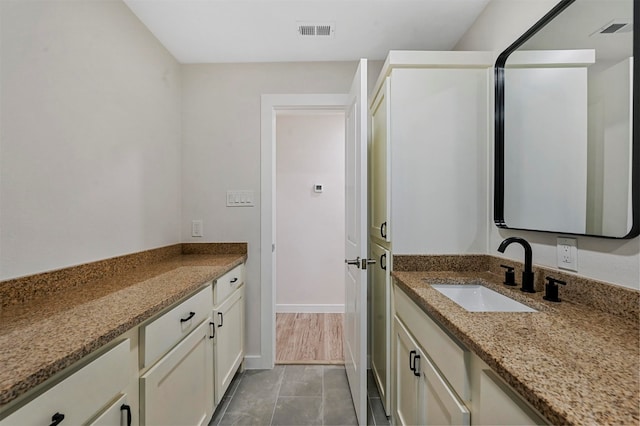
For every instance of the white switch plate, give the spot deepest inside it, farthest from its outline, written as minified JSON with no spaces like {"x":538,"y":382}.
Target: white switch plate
{"x":240,"y":198}
{"x":196,"y":228}
{"x":567,"y":251}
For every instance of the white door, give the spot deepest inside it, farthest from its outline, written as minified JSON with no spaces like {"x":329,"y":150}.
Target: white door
{"x":355,"y":315}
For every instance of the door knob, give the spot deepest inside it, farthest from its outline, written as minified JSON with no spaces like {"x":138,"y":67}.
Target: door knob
{"x":366,"y":262}
{"x":355,"y":261}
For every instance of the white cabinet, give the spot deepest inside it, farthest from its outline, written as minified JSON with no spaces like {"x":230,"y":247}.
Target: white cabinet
{"x":178,"y":389}
{"x":422,"y":395}
{"x":381,"y":322}
{"x":430,"y":121}
{"x":427,"y":164}
{"x":119,"y":413}
{"x":436,"y":380}
{"x":163,"y":333}
{"x":83,"y":395}
{"x":407,"y":386}
{"x":494,"y":402}
{"x":229,"y":341}
{"x":380,"y":166}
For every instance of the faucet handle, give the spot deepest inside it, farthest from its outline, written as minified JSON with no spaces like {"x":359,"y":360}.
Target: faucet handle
{"x":509,"y":275}
{"x":551,"y":289}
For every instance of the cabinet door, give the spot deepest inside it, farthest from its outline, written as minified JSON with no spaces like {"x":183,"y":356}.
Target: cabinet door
{"x":379,"y":193}
{"x":229,"y":341}
{"x":407,"y":385}
{"x":119,"y":413}
{"x":381,"y":322}
{"x":499,"y":405}
{"x":439,"y":404}
{"x":80,"y":396}
{"x":178,"y":389}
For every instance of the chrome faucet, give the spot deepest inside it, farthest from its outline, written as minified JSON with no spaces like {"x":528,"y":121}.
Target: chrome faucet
{"x":527,"y":273}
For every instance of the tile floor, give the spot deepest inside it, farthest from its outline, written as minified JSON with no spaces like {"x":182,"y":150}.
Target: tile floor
{"x":294,"y":395}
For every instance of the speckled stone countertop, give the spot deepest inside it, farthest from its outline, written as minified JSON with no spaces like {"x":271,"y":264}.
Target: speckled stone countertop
{"x":573,"y":363}
{"x":48,"y":332}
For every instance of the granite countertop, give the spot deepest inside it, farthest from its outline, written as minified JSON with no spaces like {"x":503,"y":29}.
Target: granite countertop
{"x":42,"y":336}
{"x":573,"y":363}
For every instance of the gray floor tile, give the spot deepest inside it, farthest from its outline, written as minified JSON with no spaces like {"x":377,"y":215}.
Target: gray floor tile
{"x":248,"y":419}
{"x":339,"y":411}
{"x":302,"y":380}
{"x":336,"y":385}
{"x":255,"y":396}
{"x":261,"y":381}
{"x":297,"y":410}
{"x":379,"y":416}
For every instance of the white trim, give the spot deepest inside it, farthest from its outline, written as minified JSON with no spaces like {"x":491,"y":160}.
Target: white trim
{"x":270,"y":104}
{"x":253,"y":362}
{"x":310,"y":309}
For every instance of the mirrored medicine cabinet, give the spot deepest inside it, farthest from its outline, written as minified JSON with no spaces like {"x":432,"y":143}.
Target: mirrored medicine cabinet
{"x":566,"y":144}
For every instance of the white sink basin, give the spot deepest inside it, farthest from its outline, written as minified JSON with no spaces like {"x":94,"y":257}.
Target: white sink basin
{"x":477,"y":298}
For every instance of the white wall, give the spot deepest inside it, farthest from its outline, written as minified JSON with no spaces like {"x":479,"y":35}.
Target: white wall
{"x":90,"y":136}
{"x":221,"y":149}
{"x":309,"y":225}
{"x":615,"y":261}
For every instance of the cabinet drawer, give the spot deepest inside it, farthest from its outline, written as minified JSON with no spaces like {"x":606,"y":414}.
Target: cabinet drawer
{"x":228,"y":283}
{"x":115,"y":414}
{"x":81,"y":395}
{"x":450,"y":357}
{"x":157,"y":337}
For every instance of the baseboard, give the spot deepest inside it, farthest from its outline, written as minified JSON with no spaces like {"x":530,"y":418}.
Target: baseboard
{"x":310,"y":309}
{"x":255,"y":362}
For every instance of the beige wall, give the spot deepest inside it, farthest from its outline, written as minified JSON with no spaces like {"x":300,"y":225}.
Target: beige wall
{"x":309,"y":225}
{"x":90,"y":135}
{"x":614,"y":261}
{"x":221,"y":149}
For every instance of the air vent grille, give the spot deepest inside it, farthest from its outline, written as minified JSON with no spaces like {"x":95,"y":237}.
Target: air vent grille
{"x":316,"y":29}
{"x":614,"y":27}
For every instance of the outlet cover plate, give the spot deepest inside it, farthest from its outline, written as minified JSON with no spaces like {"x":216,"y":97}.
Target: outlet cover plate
{"x":567,"y":251}
{"x":196,"y":228}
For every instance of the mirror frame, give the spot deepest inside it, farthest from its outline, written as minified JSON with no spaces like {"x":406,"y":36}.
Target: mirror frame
{"x":498,"y":196}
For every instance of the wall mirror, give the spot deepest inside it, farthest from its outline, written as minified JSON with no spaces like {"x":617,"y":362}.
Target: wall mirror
{"x":566,"y":147}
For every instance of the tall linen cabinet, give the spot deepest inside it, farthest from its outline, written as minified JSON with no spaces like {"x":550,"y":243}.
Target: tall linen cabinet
{"x":427,"y":172}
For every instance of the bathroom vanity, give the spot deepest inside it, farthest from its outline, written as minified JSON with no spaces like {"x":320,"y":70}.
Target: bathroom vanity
{"x":566,"y":363}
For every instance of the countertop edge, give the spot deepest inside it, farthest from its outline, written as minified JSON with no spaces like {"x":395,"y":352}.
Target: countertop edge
{"x":36,"y":378}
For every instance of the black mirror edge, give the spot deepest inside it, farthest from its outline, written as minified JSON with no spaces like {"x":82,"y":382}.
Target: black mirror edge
{"x":498,"y":194}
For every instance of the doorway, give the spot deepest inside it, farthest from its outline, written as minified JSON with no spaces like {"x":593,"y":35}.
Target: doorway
{"x":271,"y":106}
{"x":309,"y":228}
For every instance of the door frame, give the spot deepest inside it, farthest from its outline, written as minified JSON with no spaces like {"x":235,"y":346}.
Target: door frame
{"x":270,"y":105}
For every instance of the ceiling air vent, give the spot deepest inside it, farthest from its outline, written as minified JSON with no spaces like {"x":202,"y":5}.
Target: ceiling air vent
{"x":316,"y":30}
{"x":614,"y":27}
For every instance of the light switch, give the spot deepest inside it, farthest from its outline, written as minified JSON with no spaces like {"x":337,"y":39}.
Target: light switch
{"x":240,"y":198}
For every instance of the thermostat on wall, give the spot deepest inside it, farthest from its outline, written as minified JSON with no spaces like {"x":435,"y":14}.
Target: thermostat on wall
{"x":318,"y":187}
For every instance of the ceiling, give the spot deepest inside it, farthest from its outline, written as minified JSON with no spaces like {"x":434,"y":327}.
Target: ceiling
{"x":210,"y":31}
{"x":577,"y":27}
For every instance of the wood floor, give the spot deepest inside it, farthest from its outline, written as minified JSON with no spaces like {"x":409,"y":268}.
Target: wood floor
{"x":309,"y":339}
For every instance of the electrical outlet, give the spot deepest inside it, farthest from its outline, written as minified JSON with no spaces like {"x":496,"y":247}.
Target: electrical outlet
{"x":567,"y":251}
{"x":196,"y":228}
